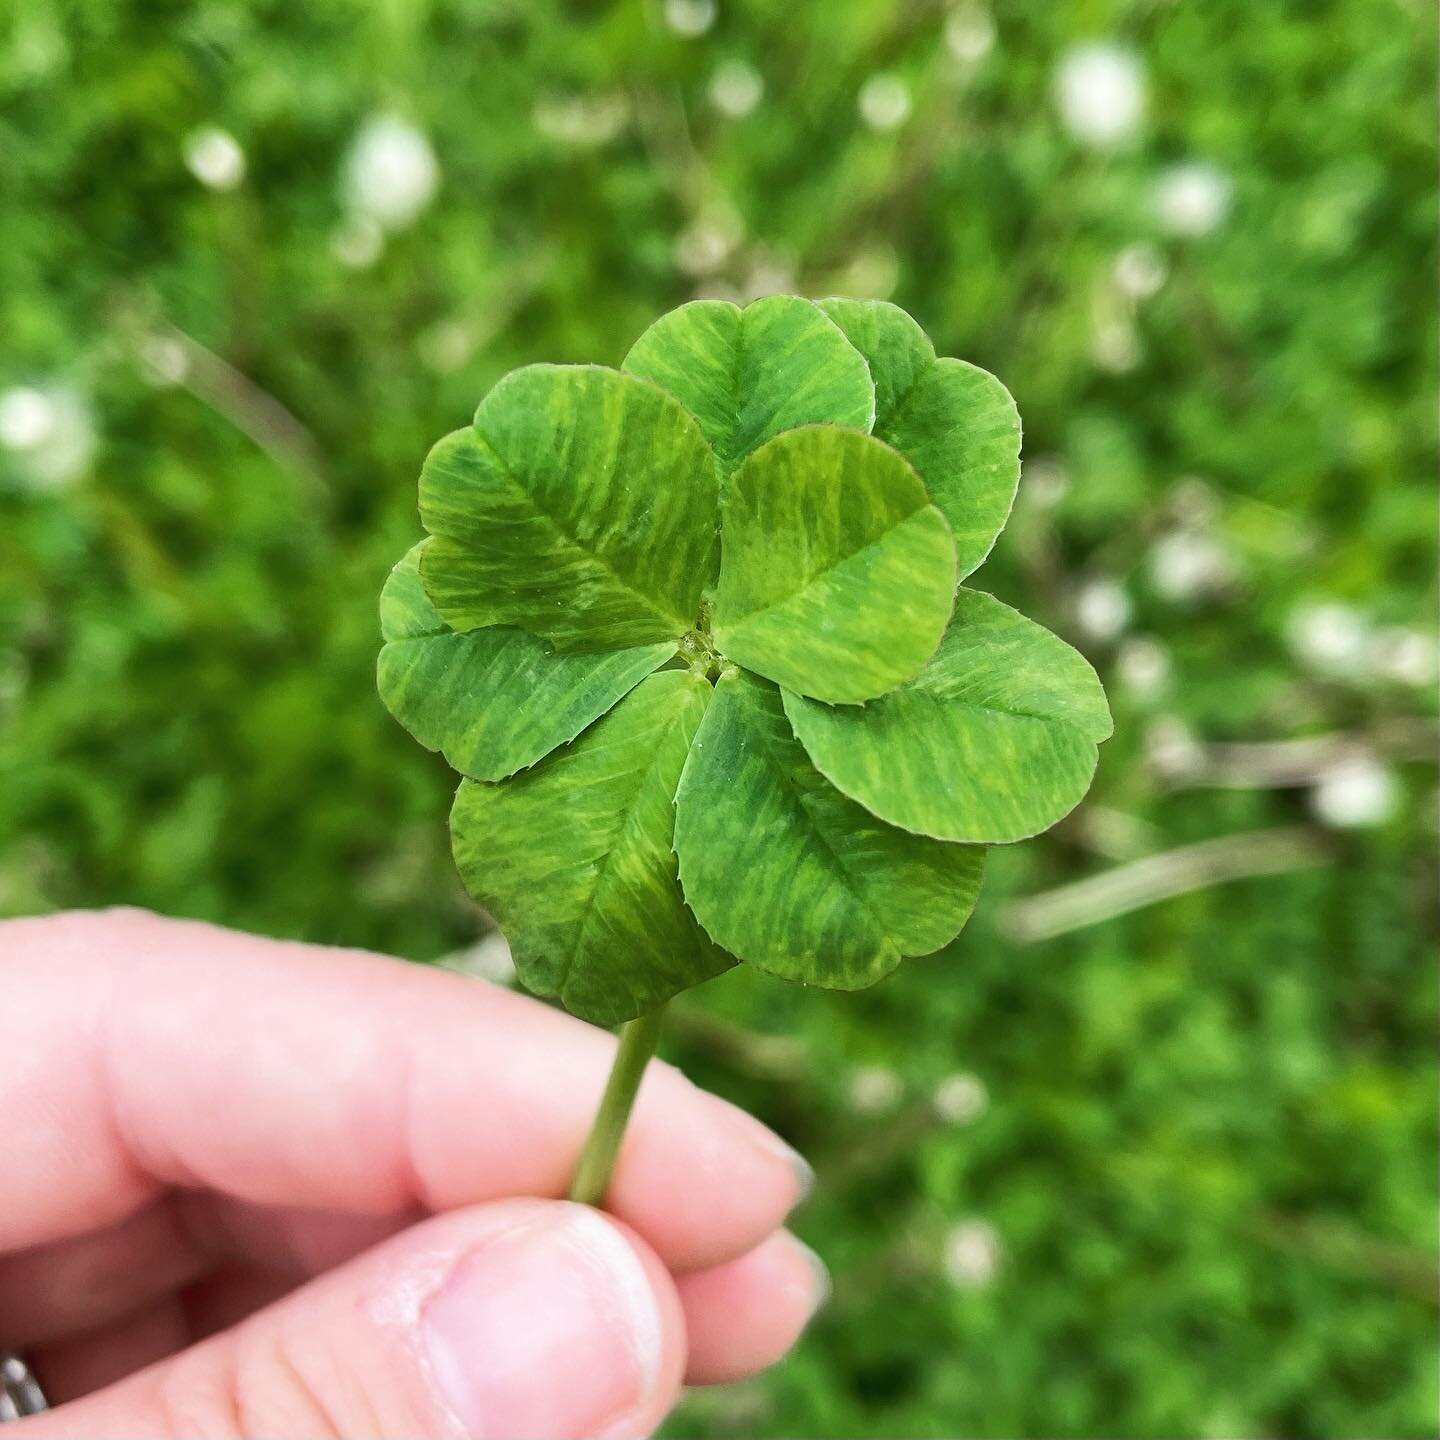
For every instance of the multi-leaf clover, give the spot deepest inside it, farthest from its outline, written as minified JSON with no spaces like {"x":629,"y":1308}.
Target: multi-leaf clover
{"x":693,"y":632}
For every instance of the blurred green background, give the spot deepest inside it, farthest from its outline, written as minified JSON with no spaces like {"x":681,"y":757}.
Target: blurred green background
{"x":1150,"y":1151}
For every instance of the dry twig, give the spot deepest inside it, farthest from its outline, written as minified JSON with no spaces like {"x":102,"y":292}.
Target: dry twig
{"x":1162,"y":877}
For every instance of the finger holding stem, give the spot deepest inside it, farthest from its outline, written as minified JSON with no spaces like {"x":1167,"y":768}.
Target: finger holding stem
{"x":638,"y":1039}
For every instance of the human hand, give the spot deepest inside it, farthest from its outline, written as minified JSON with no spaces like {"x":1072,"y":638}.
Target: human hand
{"x":255,"y":1188}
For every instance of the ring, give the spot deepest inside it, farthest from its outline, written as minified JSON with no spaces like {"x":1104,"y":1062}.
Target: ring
{"x":20,"y":1392}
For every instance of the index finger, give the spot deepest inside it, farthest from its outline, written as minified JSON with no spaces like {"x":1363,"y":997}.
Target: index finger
{"x":159,"y":1052}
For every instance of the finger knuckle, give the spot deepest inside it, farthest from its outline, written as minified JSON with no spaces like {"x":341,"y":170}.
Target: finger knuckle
{"x":248,"y":1387}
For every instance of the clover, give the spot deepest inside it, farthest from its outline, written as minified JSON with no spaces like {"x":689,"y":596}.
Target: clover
{"x":693,"y":631}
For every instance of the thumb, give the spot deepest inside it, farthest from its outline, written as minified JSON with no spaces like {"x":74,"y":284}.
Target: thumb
{"x":513,"y":1321}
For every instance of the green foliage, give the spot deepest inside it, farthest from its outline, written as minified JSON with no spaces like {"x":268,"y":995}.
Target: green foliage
{"x":582,"y":506}
{"x":492,"y":701}
{"x":748,"y":374}
{"x":993,"y":740}
{"x":836,"y":573}
{"x":786,"y":873}
{"x":576,"y":862}
{"x":1187,"y":1182}
{"x":955,"y":423}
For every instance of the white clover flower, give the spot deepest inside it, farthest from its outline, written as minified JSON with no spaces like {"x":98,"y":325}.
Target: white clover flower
{"x":690,"y":18}
{"x":1356,"y":791}
{"x":702,"y":248}
{"x":1188,"y":565}
{"x":872,"y":273}
{"x":27,"y":418}
{"x":1193,"y":502}
{"x":736,"y":88}
{"x":970,"y":34}
{"x":1115,"y":346}
{"x":585,"y":121}
{"x":391,"y":173}
{"x":873,"y":1089}
{"x":961,"y":1098}
{"x":357,"y":242}
{"x":884,"y":101}
{"x":769,"y":275}
{"x":1139,"y":271}
{"x":214,"y":157}
{"x":1407,"y":657}
{"x":1100,"y":90}
{"x":1329,"y":637}
{"x":1192,"y":199}
{"x":1102,"y":608}
{"x":67,"y":454}
{"x":1143,"y":667}
{"x":972,"y":1254}
{"x":446,"y":345}
{"x":1044,"y":481}
{"x":50,"y":432}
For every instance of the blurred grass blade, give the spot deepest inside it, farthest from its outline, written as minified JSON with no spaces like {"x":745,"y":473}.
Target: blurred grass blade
{"x":1162,"y":877}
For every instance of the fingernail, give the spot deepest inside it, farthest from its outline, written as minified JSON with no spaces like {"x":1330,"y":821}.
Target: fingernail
{"x":804,"y":1177}
{"x":764,"y":1138}
{"x":547,"y":1330}
{"x":820,"y":1283}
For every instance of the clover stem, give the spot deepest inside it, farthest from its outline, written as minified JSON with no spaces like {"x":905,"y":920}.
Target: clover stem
{"x":638,"y":1039}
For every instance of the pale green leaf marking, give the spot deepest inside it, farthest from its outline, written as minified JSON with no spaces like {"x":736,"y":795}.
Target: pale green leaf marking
{"x":581,"y":506}
{"x":405,"y":609}
{"x":575,"y":859}
{"x":491,"y":701}
{"x":993,"y":741}
{"x":836,"y":574}
{"x":954,"y":422}
{"x":748,"y":374}
{"x":788,"y":874}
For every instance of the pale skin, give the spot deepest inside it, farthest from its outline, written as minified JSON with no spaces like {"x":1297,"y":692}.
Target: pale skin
{"x":257,"y":1188}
